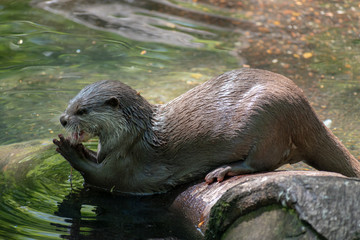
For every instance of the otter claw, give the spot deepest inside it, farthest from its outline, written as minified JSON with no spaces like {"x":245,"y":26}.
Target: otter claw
{"x":219,"y":174}
{"x":57,"y":142}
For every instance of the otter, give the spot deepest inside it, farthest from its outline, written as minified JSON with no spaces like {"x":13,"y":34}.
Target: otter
{"x":241,"y":122}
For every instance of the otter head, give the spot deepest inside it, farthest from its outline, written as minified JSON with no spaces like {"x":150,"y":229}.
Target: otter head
{"x":110,"y":110}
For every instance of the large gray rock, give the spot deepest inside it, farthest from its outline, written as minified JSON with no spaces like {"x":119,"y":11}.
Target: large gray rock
{"x":276,"y":205}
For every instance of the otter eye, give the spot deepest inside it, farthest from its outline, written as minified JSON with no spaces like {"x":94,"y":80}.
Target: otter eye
{"x":81,"y":111}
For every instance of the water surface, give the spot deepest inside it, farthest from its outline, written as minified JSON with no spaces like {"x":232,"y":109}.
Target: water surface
{"x":45,"y":60}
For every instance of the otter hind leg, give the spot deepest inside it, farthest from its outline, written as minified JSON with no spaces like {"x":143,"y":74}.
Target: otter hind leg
{"x":232,"y":169}
{"x":266,"y":155}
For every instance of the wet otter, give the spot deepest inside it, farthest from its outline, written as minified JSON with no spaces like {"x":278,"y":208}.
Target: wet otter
{"x":243,"y":121}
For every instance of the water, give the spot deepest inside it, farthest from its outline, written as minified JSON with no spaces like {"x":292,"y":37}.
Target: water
{"x":38,"y":201}
{"x":47,"y":58}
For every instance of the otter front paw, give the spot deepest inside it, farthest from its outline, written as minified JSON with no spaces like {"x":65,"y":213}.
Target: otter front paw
{"x":69,"y":151}
{"x":218,"y":174}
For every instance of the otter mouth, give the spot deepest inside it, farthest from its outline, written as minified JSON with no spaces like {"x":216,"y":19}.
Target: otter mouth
{"x":80,"y":136}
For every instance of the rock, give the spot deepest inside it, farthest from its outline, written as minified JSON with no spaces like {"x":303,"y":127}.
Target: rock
{"x":271,"y":222}
{"x":275,"y":205}
{"x":142,"y":20}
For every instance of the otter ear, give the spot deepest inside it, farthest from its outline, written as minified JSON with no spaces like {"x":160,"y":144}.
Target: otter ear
{"x":113,"y":102}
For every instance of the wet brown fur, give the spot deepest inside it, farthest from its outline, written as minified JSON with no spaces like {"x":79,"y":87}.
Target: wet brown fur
{"x":242,"y":121}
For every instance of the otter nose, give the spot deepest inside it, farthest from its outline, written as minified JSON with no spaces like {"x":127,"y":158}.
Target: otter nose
{"x":63,"y":120}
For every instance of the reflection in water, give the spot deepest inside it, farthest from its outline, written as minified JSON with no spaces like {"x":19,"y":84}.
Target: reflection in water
{"x":95,"y":215}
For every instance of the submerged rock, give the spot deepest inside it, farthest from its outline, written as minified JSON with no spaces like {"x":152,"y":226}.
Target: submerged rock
{"x":152,"y":21}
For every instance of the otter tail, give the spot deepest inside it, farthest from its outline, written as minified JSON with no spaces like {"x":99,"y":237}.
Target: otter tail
{"x":327,"y":153}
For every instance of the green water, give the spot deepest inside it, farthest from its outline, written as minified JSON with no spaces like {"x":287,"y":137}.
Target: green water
{"x":39,"y":200}
{"x":45,"y":59}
